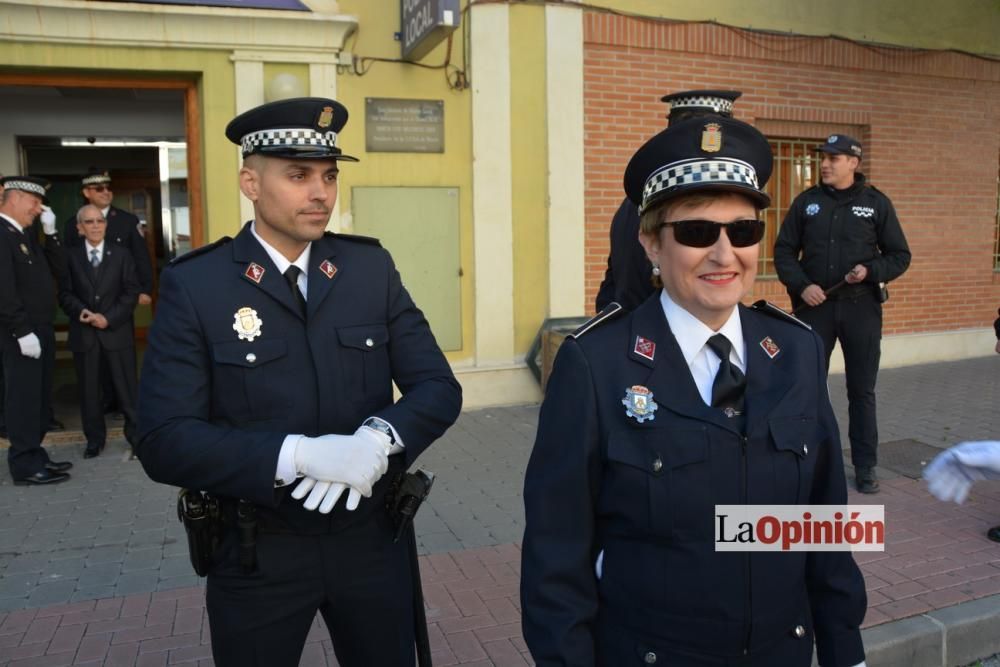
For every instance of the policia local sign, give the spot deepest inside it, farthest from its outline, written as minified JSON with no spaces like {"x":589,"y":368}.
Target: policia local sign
{"x":425,"y":23}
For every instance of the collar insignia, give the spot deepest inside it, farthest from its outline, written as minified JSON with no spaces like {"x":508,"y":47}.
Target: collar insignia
{"x":644,"y":347}
{"x":254,"y":272}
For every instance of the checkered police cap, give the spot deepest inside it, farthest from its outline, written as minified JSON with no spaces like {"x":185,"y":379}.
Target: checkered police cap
{"x":298,"y":128}
{"x":96,"y":178}
{"x":688,"y":103}
{"x":29,"y":184}
{"x":705,"y":153}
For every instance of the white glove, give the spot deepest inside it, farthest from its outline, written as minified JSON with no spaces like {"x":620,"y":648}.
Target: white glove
{"x":951,"y":474}
{"x":332,"y":463}
{"x":48,"y":221}
{"x":30,"y":346}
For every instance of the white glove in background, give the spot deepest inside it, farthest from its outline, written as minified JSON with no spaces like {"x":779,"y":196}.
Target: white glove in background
{"x":48,"y":221}
{"x":332,"y":464}
{"x":30,"y":346}
{"x":951,"y":474}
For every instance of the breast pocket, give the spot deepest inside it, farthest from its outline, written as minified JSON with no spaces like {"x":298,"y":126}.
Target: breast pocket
{"x":796,"y":444}
{"x":664,"y":476}
{"x":364,"y":355}
{"x":251,"y":382}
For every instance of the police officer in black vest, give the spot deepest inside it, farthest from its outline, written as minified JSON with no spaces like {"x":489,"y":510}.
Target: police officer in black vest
{"x":839,"y":244}
{"x":269,"y":378}
{"x":626,"y":280}
{"x":27,"y":305}
{"x":653,"y":418}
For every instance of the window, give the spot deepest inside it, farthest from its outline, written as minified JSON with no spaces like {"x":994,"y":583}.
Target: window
{"x":796,"y":167}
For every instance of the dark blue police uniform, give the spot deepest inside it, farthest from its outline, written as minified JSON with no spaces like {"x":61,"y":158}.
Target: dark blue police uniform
{"x":232,"y":367}
{"x":633,"y":483}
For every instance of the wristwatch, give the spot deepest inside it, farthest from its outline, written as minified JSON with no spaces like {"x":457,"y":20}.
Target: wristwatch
{"x":382,"y":426}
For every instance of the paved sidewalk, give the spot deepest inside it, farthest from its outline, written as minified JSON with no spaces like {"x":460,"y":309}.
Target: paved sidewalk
{"x":95,"y":571}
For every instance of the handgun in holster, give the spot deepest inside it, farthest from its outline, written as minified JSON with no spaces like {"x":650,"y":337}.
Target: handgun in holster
{"x":201,"y":515}
{"x":409,"y":490}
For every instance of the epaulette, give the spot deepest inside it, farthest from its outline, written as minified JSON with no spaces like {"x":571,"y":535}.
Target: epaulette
{"x":608,"y":313}
{"x":201,"y":250}
{"x":370,"y":240}
{"x":768,"y":308}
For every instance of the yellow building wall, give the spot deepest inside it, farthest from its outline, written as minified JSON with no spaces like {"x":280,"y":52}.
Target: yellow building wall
{"x":378,"y":20}
{"x":214,"y":74}
{"x":529,"y":170}
{"x":967,"y":25}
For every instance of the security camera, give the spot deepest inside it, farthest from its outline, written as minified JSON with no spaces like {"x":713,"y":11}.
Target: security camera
{"x":91,"y":140}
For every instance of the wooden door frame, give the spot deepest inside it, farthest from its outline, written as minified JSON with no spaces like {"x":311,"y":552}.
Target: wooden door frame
{"x":192,"y":122}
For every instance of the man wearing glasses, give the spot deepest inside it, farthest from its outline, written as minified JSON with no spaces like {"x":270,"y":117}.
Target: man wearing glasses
{"x":123,"y":230}
{"x":838,"y":245}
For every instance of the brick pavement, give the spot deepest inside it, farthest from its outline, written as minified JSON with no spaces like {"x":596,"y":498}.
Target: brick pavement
{"x":94,"y":571}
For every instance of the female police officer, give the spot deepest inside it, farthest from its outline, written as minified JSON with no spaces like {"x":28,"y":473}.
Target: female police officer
{"x":652,"y":419}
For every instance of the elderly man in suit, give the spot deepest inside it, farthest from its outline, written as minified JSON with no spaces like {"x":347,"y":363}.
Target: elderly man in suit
{"x":99,"y":295}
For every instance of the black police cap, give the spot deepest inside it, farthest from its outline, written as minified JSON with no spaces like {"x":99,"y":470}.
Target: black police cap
{"x":688,"y":103}
{"x":700,"y":154}
{"x":96,"y":176}
{"x":299,"y":128}
{"x":29,"y":184}
{"x":841,"y":144}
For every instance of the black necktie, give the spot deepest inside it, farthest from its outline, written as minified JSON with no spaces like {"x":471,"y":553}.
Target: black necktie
{"x":730,"y":383}
{"x":292,"y":278}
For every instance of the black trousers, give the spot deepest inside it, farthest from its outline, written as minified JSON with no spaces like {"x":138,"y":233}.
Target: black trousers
{"x":120,"y":366}
{"x":857,"y":323}
{"x":27,"y":402}
{"x":358,"y":579}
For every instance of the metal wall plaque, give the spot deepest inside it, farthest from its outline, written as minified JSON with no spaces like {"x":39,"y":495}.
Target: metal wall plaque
{"x":394,"y":125}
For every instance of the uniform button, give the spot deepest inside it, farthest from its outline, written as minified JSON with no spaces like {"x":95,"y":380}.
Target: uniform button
{"x":251,"y":357}
{"x":650,"y":658}
{"x":369,"y":342}
{"x":657,"y":465}
{"x":805,"y":448}
{"x":799,"y":631}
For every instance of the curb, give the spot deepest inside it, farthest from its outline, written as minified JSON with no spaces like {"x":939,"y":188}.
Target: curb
{"x":949,"y":637}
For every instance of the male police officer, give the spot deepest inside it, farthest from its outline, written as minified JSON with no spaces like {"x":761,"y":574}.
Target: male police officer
{"x":627,"y":278}
{"x":272,"y":357}
{"x":27,"y":303}
{"x":838,"y":243}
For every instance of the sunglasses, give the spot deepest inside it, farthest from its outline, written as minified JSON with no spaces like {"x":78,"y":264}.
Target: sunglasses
{"x":99,"y":188}
{"x":704,"y":233}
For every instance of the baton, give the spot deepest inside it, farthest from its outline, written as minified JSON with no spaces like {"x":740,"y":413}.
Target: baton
{"x":826,"y":292}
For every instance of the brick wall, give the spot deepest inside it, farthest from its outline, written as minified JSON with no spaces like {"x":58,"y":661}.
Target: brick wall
{"x":930,"y":123}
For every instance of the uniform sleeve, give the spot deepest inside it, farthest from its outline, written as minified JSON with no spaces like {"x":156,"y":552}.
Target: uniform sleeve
{"x":121,"y":310}
{"x":895,"y":253}
{"x":13,"y":317}
{"x":558,"y":584}
{"x":140,"y":257}
{"x":178,"y":443}
{"x":431,"y":396}
{"x":835,"y":584}
{"x":786,"y":251}
{"x":55,"y":255}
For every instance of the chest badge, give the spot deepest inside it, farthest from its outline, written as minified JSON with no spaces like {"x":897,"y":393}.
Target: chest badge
{"x":247,"y":324}
{"x":254,"y":272}
{"x":639,"y":403}
{"x":812,"y":209}
{"x":644,"y":347}
{"x":24,"y":249}
{"x":770,"y":347}
{"x":328,"y":268}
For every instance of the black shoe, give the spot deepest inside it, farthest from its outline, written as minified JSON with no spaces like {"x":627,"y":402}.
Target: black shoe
{"x":43,"y":477}
{"x":58,"y":466}
{"x":994,"y":533}
{"x":92,"y":450}
{"x":865,"y":479}
{"x":55,"y":425}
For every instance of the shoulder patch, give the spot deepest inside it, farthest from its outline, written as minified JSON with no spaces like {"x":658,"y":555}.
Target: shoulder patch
{"x":197,"y":252}
{"x":609,"y":312}
{"x":369,"y":240}
{"x":768,"y":308}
